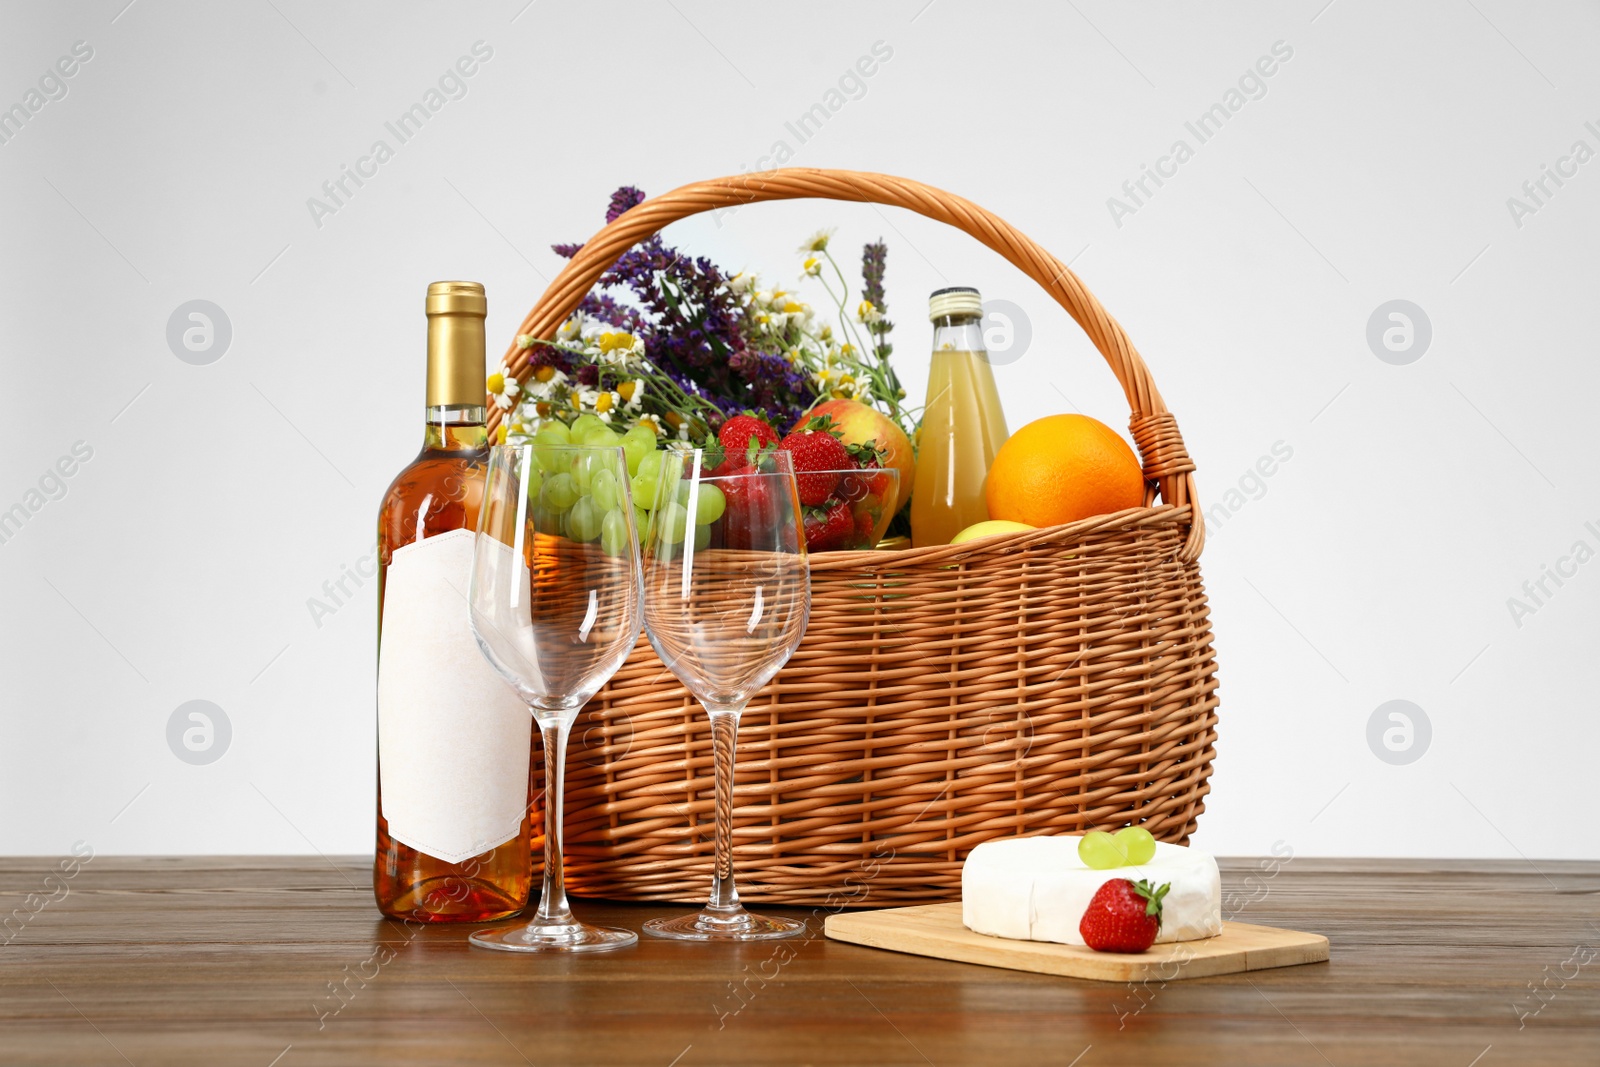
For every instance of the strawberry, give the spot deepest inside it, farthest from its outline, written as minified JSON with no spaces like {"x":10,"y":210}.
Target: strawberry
{"x":866,"y":454}
{"x":744,"y":435}
{"x":864,"y":457}
{"x":749,"y":506}
{"x":1123,"y":916}
{"x":865,"y":528}
{"x":818,"y":457}
{"x":830,"y":527}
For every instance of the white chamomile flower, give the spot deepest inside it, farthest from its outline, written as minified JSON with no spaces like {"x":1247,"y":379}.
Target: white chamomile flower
{"x":571,"y":330}
{"x":868,"y":313}
{"x":615,"y":346}
{"x":818,"y":241}
{"x":743,"y":282}
{"x":812,"y":266}
{"x":503,"y":386}
{"x":651,"y":423}
{"x":544,"y":383}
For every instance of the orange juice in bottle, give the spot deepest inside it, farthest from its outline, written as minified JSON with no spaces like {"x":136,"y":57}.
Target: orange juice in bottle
{"x":962,"y":424}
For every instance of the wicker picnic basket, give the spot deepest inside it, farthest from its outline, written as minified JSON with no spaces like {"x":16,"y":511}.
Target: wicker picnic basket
{"x":1054,"y":681}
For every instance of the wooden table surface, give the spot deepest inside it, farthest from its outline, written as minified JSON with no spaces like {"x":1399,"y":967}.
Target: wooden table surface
{"x":234,"y":961}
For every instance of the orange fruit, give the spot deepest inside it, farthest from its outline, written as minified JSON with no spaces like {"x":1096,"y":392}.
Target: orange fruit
{"x":1063,"y":468}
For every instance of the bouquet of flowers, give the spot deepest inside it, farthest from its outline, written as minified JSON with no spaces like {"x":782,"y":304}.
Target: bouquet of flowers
{"x":689,"y":345}
{"x":669,"y":348}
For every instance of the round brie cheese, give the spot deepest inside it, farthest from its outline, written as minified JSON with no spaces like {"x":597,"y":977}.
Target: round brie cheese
{"x":1037,"y":889}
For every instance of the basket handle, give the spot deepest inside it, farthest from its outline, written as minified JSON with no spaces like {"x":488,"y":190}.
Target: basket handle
{"x":1166,"y":462}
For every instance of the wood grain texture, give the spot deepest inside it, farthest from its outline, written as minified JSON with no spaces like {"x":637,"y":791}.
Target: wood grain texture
{"x":936,"y":931}
{"x":231,"y":961}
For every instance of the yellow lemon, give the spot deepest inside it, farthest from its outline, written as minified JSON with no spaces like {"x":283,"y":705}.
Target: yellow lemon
{"x":989,"y":528}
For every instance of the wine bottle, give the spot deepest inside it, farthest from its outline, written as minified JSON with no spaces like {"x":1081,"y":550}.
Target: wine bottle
{"x":453,"y":739}
{"x":962,"y":423}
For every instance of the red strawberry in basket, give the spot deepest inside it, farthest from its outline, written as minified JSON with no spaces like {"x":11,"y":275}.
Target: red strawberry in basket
{"x":742,"y":436}
{"x":830,"y":527}
{"x":818,"y":456}
{"x":1123,"y":916}
{"x":750,"y":506}
{"x":865,"y":528}
{"x":865,"y":457}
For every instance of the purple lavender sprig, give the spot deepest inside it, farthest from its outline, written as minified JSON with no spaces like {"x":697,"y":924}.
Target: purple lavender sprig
{"x":693,"y":328}
{"x":874,"y":258}
{"x":623,"y":199}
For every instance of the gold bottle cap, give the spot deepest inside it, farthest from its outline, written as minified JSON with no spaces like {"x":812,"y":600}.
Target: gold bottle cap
{"x":456,"y":312}
{"x":957,"y":300}
{"x":457,"y":298}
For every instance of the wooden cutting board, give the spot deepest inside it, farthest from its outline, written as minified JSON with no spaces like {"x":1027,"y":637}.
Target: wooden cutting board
{"x":936,"y":930}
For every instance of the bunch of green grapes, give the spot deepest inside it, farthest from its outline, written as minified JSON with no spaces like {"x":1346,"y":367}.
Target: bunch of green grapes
{"x":584,"y":500}
{"x":1131,"y":846}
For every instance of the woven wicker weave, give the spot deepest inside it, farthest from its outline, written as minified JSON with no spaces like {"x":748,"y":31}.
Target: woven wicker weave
{"x":1048,"y":682}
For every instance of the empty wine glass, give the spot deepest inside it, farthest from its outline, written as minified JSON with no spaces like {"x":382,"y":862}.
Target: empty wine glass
{"x":555,"y":605}
{"x":727,"y":596}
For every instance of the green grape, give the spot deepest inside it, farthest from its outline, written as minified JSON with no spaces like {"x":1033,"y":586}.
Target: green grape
{"x":702,"y":536}
{"x":614,"y":534}
{"x":601,"y":436}
{"x":604,"y":488}
{"x":584,"y":520}
{"x":550,"y":457}
{"x":1137,"y":844}
{"x":535,"y":481}
{"x":560,"y":492}
{"x":645,"y":481}
{"x":672,"y":523}
{"x":709,"y":505}
{"x":583,"y":424}
{"x":585,"y":467}
{"x":554,"y":433}
{"x":547,"y":520}
{"x":1100,"y":851}
{"x":644,"y":491}
{"x":637,"y":443}
{"x":641,"y":522}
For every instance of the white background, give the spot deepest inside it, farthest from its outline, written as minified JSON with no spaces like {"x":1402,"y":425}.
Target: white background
{"x":1376,"y":564}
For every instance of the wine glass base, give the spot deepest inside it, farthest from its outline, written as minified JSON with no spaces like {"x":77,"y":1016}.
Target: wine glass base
{"x":737,"y":926}
{"x":553,"y":937}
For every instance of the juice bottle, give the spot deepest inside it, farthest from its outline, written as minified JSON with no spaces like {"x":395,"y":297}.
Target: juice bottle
{"x":962,"y":424}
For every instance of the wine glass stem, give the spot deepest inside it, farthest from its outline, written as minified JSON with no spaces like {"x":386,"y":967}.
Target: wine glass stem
{"x":553,"y":899}
{"x":724,"y":741}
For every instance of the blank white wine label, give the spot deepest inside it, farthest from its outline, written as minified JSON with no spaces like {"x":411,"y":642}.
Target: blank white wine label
{"x":452,"y":737}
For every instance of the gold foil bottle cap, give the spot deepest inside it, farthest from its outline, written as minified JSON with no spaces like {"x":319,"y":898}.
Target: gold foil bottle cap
{"x":456,"y":312}
{"x":457,"y":298}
